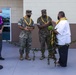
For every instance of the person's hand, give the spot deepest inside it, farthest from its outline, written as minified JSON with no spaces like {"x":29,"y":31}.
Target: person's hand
{"x":49,"y":22}
{"x":0,"y":31}
{"x":26,"y":28}
{"x":53,"y":22}
{"x":30,"y":28}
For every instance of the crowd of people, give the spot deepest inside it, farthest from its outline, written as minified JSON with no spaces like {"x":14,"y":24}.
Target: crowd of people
{"x":61,"y":29}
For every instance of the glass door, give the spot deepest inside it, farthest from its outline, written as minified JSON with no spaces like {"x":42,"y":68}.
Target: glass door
{"x":6,"y":15}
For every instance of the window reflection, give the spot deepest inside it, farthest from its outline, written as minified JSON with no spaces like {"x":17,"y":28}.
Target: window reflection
{"x":6,"y":33}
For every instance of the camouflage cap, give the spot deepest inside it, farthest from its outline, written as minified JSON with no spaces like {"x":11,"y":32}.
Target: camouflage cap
{"x":43,"y":10}
{"x":28,"y":12}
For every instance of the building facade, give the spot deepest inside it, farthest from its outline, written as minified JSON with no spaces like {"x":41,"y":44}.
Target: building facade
{"x":18,"y":8}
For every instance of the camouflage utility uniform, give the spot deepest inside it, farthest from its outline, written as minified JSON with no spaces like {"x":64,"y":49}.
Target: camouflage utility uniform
{"x":25,"y":37}
{"x":44,"y":34}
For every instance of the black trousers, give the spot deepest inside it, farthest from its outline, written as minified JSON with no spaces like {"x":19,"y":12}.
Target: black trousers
{"x":63,"y":53}
{"x":0,"y":44}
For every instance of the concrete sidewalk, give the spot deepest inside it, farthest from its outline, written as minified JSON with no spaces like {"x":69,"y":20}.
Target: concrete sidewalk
{"x":13,"y":66}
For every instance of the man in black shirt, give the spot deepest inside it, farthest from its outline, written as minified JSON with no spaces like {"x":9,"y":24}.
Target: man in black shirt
{"x":1,"y":29}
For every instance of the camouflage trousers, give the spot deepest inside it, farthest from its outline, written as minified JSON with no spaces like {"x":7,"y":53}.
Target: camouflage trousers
{"x":44,"y":40}
{"x":25,"y":45}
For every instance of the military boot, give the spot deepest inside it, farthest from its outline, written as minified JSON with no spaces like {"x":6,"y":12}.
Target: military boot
{"x":27,"y":57}
{"x":21,"y":56}
{"x":42,"y":57}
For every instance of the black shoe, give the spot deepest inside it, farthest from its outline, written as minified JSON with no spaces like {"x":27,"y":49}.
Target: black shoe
{"x":63,"y":65}
{"x":1,"y":67}
{"x":2,"y":58}
{"x":58,"y":63}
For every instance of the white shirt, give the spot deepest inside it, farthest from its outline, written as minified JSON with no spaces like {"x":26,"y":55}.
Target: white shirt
{"x":64,"y":34}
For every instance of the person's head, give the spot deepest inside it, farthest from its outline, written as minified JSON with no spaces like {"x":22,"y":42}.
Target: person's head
{"x":61,"y":14}
{"x":44,"y":13}
{"x":0,"y":11}
{"x":28,"y":13}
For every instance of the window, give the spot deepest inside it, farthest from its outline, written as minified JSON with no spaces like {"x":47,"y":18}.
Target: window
{"x":6,"y":15}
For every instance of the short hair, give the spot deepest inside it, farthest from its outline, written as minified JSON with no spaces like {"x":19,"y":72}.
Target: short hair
{"x":62,"y":14}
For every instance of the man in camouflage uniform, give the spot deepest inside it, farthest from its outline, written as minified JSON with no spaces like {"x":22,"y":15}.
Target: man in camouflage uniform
{"x":26,"y":25}
{"x":44,"y":34}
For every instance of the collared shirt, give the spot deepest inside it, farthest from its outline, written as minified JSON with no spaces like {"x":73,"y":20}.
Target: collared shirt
{"x":64,"y":34}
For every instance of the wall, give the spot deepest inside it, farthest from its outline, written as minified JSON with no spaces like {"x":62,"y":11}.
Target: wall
{"x":73,"y":32}
{"x":16,"y":8}
{"x":16,"y":13}
{"x":53,"y":7}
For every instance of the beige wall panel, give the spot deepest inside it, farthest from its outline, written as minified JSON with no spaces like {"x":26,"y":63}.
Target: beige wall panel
{"x":16,"y":8}
{"x":53,"y":7}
